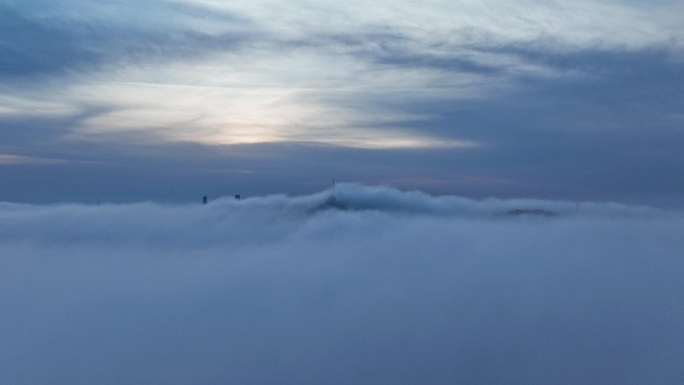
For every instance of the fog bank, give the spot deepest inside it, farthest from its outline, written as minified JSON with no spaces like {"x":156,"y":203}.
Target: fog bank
{"x":373,"y":286}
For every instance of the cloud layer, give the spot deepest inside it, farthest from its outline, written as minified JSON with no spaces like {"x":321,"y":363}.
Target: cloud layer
{"x":174,"y":99}
{"x":378,"y":286}
{"x":217,"y":72}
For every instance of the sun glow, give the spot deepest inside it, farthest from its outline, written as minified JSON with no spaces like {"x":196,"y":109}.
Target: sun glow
{"x":234,"y":115}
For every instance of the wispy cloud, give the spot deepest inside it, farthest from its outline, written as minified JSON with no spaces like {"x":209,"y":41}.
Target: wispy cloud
{"x":321,"y":59}
{"x":512,"y":79}
{"x":19,"y":159}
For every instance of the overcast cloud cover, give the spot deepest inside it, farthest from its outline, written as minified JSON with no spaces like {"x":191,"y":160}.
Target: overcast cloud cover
{"x":173,"y":99}
{"x":397,"y":288}
{"x":541,"y":104}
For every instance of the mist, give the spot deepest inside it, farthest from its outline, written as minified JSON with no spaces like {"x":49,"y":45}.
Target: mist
{"x":363,"y":285}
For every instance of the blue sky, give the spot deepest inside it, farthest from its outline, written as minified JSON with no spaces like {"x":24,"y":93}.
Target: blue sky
{"x":172,"y":100}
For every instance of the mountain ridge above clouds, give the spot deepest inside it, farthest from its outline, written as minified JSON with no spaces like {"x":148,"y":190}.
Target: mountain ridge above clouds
{"x":226,"y":219}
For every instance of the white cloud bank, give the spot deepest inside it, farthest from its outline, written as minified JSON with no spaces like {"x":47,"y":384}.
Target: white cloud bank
{"x":400,"y":288}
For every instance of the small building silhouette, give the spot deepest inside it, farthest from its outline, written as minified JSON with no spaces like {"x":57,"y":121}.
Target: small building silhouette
{"x":237,"y":196}
{"x":204,"y":200}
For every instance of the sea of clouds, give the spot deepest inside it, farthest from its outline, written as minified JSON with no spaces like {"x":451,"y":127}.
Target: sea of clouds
{"x":373,"y":286}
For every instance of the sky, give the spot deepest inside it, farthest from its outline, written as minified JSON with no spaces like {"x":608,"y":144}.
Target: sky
{"x":171,"y":100}
{"x":396,"y":288}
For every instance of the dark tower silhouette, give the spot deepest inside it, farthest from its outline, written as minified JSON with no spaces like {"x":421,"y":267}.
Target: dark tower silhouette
{"x":204,"y":200}
{"x":237,"y":196}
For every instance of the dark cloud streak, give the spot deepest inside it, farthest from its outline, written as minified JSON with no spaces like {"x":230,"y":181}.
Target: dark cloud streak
{"x":40,"y":47}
